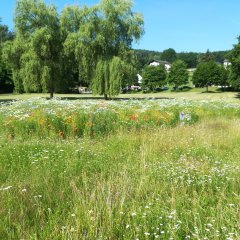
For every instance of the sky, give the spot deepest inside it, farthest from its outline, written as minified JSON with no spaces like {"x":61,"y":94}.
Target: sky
{"x":184,"y":25}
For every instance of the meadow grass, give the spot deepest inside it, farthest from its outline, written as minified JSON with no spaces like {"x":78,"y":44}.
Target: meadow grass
{"x":177,"y":181}
{"x":193,"y":94}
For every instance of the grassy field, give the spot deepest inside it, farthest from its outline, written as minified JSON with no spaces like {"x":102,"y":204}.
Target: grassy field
{"x":145,"y":178}
{"x":193,"y":94}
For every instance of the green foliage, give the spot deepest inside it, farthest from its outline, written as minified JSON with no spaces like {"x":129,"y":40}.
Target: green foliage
{"x":224,"y":77}
{"x":207,"y":57}
{"x":154,"y":76}
{"x":190,"y":58}
{"x":206,"y":74}
{"x":108,"y":77}
{"x":169,"y":55}
{"x":234,"y":58}
{"x":101,"y":78}
{"x":79,"y":27}
{"x":5,"y":33}
{"x":118,"y":27}
{"x":37,"y":47}
{"x":143,"y":57}
{"x":178,"y":74}
{"x":220,"y":56}
{"x":97,"y":37}
{"x":71,"y":18}
{"x":6,"y":83}
{"x":12,"y":52}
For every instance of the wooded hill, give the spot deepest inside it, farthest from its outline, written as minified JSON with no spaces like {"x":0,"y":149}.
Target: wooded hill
{"x":190,"y":58}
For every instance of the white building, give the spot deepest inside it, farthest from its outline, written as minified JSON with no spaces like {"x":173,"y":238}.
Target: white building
{"x":226,"y":63}
{"x":166,"y":64}
{"x":139,"y":78}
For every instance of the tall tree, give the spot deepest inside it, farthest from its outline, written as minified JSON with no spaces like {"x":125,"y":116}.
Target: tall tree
{"x":95,"y":37}
{"x":178,"y":74}
{"x":118,"y":28}
{"x":70,"y":20}
{"x":207,"y":74}
{"x":223,"y":81}
{"x":154,"y":76}
{"x":108,"y":77}
{"x":190,"y":58}
{"x":50,"y":52}
{"x":6,"y":84}
{"x":207,"y":57}
{"x":5,"y":34}
{"x":79,"y":28}
{"x":169,"y":55}
{"x":12,"y":52}
{"x":234,"y":58}
{"x":37,"y":47}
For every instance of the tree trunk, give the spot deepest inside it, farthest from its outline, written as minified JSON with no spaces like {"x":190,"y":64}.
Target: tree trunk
{"x":207,"y":88}
{"x":105,"y":96}
{"x":51,"y":94}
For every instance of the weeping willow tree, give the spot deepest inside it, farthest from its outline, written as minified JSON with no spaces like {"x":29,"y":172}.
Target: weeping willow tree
{"x":35,"y":53}
{"x":119,"y":27}
{"x":88,"y":45}
{"x":108,"y":77}
{"x":100,"y":43}
{"x":12,"y":52}
{"x":78,"y":28}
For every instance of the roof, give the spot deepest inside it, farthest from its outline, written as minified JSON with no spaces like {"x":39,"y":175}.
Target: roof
{"x":160,"y":62}
{"x":225,"y":60}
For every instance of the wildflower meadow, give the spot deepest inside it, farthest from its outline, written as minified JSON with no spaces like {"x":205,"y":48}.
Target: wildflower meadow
{"x":125,"y":169}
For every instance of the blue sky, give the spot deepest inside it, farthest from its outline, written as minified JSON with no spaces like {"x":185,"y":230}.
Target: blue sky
{"x":184,"y":25}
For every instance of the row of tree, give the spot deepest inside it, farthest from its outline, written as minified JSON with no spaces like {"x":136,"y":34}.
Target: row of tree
{"x":156,"y":76}
{"x":88,"y":46}
{"x":192,"y":59}
{"x":207,"y":73}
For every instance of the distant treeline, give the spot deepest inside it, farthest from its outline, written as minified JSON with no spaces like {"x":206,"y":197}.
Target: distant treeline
{"x":190,"y":58}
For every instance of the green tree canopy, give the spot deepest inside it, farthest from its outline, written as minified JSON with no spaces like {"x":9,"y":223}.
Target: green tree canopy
{"x":101,"y":35}
{"x":207,"y":57}
{"x":154,"y":76}
{"x":118,"y":28}
{"x":6,"y":84}
{"x":178,"y":74}
{"x":143,"y":57}
{"x":207,"y":74}
{"x":169,"y":55}
{"x":52,"y":51}
{"x":108,"y":77}
{"x":190,"y":58}
{"x":234,"y":57}
{"x":35,"y":52}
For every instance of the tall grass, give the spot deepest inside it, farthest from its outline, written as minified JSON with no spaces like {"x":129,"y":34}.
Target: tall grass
{"x":65,"y":119}
{"x":173,"y":182}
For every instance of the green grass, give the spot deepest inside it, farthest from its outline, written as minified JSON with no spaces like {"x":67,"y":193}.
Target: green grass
{"x":175,"y":182}
{"x":193,"y":94}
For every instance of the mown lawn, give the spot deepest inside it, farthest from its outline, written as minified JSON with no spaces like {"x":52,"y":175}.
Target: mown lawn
{"x":178,"y":181}
{"x":193,"y":94}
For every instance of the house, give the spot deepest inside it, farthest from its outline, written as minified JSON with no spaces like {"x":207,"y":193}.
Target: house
{"x":139,"y":78}
{"x":226,"y":63}
{"x":155,"y":63}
